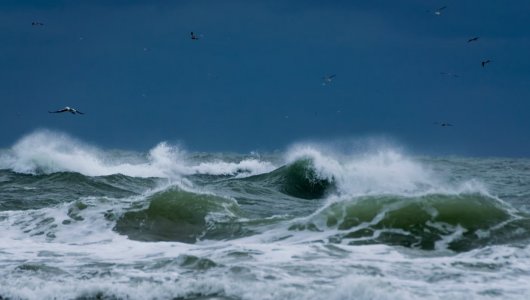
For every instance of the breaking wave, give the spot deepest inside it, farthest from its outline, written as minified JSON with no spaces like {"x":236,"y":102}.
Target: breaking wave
{"x":46,"y":152}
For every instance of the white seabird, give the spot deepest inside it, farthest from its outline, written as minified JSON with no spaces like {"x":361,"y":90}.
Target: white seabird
{"x":438,"y":11}
{"x":67,"y":109}
{"x":328,"y":79}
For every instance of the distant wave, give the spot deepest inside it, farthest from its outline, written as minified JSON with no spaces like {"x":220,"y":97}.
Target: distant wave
{"x":305,"y":171}
{"x":46,"y":152}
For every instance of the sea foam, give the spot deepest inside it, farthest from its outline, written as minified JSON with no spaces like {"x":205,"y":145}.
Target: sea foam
{"x":48,"y":152}
{"x":381,"y":170}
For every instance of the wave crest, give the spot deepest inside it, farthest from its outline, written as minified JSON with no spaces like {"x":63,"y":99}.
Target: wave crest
{"x":377,"y":172}
{"x":46,"y":152}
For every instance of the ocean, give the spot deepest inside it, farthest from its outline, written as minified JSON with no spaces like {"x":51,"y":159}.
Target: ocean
{"x":316,"y":221}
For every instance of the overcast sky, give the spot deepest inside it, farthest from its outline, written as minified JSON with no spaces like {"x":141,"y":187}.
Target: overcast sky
{"x":254,"y":79}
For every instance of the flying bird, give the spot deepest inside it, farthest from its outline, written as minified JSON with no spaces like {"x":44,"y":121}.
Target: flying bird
{"x":485,"y":62}
{"x":34,"y":23}
{"x":474,"y":39}
{"x":328,"y":79}
{"x":195,"y":37}
{"x":443,"y":124}
{"x":67,"y":109}
{"x":438,"y":12}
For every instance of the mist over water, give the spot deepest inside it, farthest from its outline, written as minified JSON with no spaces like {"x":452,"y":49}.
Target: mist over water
{"x":80,"y":221}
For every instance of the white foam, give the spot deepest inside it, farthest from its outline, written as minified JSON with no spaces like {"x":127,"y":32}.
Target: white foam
{"x":246,"y":167}
{"x":381,"y":170}
{"x":278,"y":270}
{"x":49,"y":152}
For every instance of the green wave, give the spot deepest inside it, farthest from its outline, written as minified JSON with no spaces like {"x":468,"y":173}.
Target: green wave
{"x":24,"y":191}
{"x":177,"y":215}
{"x":298,"y":179}
{"x":459,"y":222}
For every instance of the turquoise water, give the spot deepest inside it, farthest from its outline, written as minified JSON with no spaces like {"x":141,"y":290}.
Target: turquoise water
{"x":82,"y":222}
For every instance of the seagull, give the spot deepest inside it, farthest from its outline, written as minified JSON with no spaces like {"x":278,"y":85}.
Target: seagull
{"x":67,"y":109}
{"x":450,"y":74}
{"x":195,"y":37}
{"x":474,"y":39}
{"x":438,"y":12}
{"x":443,"y":124}
{"x":34,"y":23}
{"x":328,"y":79}
{"x":485,"y":62}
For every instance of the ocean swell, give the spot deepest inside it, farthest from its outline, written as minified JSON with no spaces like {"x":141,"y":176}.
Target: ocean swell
{"x":435,"y":221}
{"x":178,"y":215}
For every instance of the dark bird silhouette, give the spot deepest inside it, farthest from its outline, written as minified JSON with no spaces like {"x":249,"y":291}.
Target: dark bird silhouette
{"x":194,"y":36}
{"x":485,"y":62}
{"x":328,"y":79}
{"x":67,"y":109}
{"x":443,"y":124}
{"x":474,"y":39}
{"x":34,"y":23}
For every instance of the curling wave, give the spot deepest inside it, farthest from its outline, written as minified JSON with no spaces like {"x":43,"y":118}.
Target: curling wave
{"x":298,"y":179}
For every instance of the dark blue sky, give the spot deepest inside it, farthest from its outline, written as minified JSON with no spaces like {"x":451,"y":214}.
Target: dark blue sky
{"x":133,"y":69}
